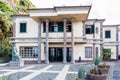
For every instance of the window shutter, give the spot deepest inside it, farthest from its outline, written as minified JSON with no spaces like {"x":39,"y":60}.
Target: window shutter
{"x":60,"y":27}
{"x":50,"y":27}
{"x":22,"y":27}
{"x":92,"y":28}
{"x":44,"y":27}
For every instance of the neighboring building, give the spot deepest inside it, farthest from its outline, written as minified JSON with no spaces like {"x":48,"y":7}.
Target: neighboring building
{"x":59,"y":34}
{"x":111,"y":39}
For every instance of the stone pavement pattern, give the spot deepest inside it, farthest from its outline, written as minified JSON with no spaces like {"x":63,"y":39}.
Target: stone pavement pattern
{"x":44,"y":71}
{"x":55,"y":71}
{"x":116,"y":71}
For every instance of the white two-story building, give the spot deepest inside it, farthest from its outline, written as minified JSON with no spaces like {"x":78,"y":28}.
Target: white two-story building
{"x":62,"y":34}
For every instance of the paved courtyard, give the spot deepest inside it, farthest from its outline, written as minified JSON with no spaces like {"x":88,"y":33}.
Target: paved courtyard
{"x":53,"y":71}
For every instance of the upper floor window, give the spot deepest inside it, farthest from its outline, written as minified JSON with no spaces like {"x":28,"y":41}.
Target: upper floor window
{"x":57,"y":27}
{"x":68,"y":27}
{"x":107,"y":34}
{"x":22,"y":27}
{"x":89,"y":29}
{"x":54,"y":27}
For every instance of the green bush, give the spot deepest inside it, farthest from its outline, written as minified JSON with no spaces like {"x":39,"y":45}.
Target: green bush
{"x":3,"y":78}
{"x":5,"y":50}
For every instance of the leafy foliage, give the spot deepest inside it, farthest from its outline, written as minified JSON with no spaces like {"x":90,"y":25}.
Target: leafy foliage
{"x":8,"y":8}
{"x":81,"y":73}
{"x":3,"y":78}
{"x":97,"y":60}
{"x":107,"y":52}
{"x":96,"y":71}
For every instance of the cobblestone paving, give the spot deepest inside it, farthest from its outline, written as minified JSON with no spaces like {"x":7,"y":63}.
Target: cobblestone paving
{"x":38,"y":67}
{"x":71,"y":77}
{"x":17,"y":76}
{"x":42,"y":72}
{"x":116,"y":71}
{"x":56,"y":67}
{"x":45,"y":76}
{"x":76,"y":67}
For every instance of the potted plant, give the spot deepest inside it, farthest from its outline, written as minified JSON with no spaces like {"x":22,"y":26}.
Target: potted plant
{"x":96,"y":73}
{"x":104,"y":67}
{"x":81,"y":74}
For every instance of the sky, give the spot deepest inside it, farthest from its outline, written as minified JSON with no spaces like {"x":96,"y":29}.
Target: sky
{"x":101,"y":9}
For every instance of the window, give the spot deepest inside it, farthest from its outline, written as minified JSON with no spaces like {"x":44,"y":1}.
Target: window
{"x":54,"y":27}
{"x":22,"y":27}
{"x":57,"y":27}
{"x":89,"y":29}
{"x":68,"y":27}
{"x":88,"y":52}
{"x":107,"y":34}
{"x":29,"y":52}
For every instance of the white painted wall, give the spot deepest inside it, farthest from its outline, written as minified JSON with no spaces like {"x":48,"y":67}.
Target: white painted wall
{"x":32,"y":27}
{"x":113,"y":33}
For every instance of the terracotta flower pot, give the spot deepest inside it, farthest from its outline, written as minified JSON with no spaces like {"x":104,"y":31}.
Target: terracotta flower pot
{"x":105,"y":70}
{"x":103,"y":66}
{"x":96,"y":77}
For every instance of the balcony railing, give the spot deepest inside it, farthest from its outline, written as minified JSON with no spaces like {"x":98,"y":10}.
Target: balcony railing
{"x":51,"y":40}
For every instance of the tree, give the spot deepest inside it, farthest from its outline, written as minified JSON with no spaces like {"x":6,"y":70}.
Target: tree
{"x":8,"y":8}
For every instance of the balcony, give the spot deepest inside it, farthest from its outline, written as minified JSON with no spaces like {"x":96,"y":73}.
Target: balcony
{"x":51,"y":40}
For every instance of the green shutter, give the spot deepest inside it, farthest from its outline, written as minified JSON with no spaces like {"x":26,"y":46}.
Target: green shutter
{"x":92,"y":28}
{"x":44,"y":27}
{"x":50,"y":27}
{"x":22,"y":27}
{"x":107,"y":34}
{"x":60,"y":27}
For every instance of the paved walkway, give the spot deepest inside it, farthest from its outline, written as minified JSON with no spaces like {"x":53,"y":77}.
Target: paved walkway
{"x":55,"y":71}
{"x":116,"y":71}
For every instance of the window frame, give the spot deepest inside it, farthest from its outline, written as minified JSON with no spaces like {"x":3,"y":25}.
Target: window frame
{"x":21,"y":54}
{"x":106,"y":36}
{"x":90,"y":55}
{"x":20,"y":27}
{"x":52,"y":30}
{"x":92,"y":29}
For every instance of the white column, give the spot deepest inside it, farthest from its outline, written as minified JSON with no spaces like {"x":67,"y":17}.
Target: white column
{"x":72,"y":40}
{"x":47,"y":41}
{"x":64,"y":49}
{"x":39,"y":41}
{"x":101,"y":41}
{"x":117,"y":44}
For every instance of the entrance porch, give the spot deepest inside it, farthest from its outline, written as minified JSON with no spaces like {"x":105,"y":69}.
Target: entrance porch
{"x":56,"y":54}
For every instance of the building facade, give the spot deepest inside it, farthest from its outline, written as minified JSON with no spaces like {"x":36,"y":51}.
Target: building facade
{"x":61,"y":34}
